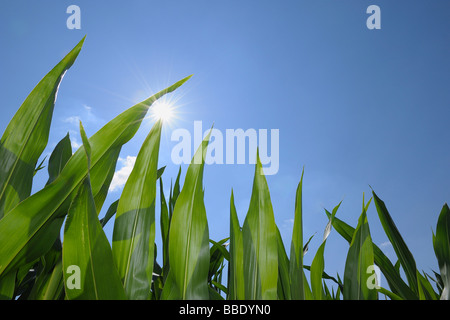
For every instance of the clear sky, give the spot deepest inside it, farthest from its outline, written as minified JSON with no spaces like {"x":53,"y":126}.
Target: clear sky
{"x":355,"y":107}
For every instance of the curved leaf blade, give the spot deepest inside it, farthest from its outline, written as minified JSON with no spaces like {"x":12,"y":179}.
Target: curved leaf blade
{"x":49,"y":283}
{"x":396,"y":283}
{"x":165,"y":227}
{"x":31,"y":219}
{"x":318,"y":263}
{"x":359,"y":259}
{"x":236,"y":277}
{"x":134,"y":226}
{"x":284,"y":283}
{"x":86,"y":247}
{"x":441,"y":246}
{"x":296,"y":255}
{"x":189,"y":237}
{"x":317,"y":270}
{"x":27,"y":134}
{"x":401,"y":249}
{"x":59,"y":157}
{"x":260,"y":242}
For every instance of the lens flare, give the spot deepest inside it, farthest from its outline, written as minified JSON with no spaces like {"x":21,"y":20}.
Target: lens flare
{"x":162,"y":110}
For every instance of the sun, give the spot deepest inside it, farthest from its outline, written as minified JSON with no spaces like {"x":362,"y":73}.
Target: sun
{"x":163,"y":110}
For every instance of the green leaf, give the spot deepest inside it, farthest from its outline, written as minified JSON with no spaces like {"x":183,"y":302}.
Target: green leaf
{"x":219,"y":249}
{"x":86,"y":247}
{"x":390,"y":294}
{"x":308,"y":292}
{"x":189,"y":237}
{"x":134,"y":227}
{"x":306,"y":246}
{"x":214,"y":295}
{"x":109,"y":213}
{"x":27,"y":135}
{"x":101,"y":176}
{"x":40,"y":166}
{"x":396,"y":283}
{"x":174,"y":196}
{"x":236,"y":276}
{"x":401,"y":249}
{"x":296,"y":256}
{"x":160,"y":172}
{"x":260,"y":242}
{"x":86,"y":145}
{"x":359,"y":259}
{"x":219,"y":286}
{"x":318,"y":263}
{"x":7,"y":285}
{"x":441,"y":246}
{"x":113,"y":206}
{"x":426,"y":291}
{"x":326,"y":276}
{"x":317,"y":268}
{"x":165,"y":227}
{"x":24,"y":232}
{"x":284,"y":284}
{"x":59,"y":157}
{"x":218,"y":253}
{"x":437,"y":281}
{"x":327,"y":293}
{"x":49,"y":284}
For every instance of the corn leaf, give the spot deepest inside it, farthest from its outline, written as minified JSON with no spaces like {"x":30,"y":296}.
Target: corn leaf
{"x":86,"y":248}
{"x":307,"y":288}
{"x":260,"y":242}
{"x":401,"y":249}
{"x":438,"y":282}
{"x":389,"y":294}
{"x":102,"y":174}
{"x":236,"y":274}
{"x":359,"y":259}
{"x":113,"y":206}
{"x":318,"y":263}
{"x":284,"y":284}
{"x":49,"y":284}
{"x":306,"y":246}
{"x":40,"y":166}
{"x":134,"y":227}
{"x":326,"y":276}
{"x":189,"y":237}
{"x":218,"y":254}
{"x":58,"y":159}
{"x":7,"y":286}
{"x":27,"y":135}
{"x":112,"y":209}
{"x":296,"y":255}
{"x":218,"y":250}
{"x":46,"y":285}
{"x":441,"y":244}
{"x":165,"y":226}
{"x":174,"y":194}
{"x":317,"y":268}
{"x":396,"y":283}
{"x":24,"y":232}
{"x":426,"y":291}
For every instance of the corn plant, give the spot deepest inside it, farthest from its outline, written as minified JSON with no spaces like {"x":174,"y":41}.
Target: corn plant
{"x":37,"y":264}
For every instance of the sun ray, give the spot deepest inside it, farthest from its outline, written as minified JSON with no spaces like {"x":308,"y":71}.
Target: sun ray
{"x":162,"y":110}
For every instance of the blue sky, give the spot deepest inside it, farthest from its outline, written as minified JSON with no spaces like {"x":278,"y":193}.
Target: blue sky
{"x":355,"y":107}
